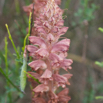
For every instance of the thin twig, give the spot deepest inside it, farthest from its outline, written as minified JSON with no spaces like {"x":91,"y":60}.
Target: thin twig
{"x":31,"y":28}
{"x":88,"y":62}
{"x":85,"y":41}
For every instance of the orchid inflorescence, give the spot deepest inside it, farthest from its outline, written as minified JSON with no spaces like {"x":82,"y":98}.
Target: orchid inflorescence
{"x":48,"y":53}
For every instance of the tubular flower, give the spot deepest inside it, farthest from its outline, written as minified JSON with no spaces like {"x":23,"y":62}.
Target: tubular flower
{"x":49,"y":54}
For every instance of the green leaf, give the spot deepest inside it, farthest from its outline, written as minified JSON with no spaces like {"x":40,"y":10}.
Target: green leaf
{"x":99,"y":64}
{"x":99,"y":97}
{"x":19,"y":60}
{"x":23,"y":75}
{"x":101,"y":29}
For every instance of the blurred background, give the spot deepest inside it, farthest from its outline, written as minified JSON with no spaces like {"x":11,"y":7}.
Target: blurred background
{"x":83,"y":17}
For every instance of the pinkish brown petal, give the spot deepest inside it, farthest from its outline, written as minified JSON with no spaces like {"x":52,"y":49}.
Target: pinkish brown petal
{"x":63,"y":55}
{"x":64,"y":92}
{"x":28,"y":9}
{"x":61,"y":80}
{"x":38,"y":100}
{"x":54,"y":57}
{"x":47,"y":25}
{"x":63,"y":96}
{"x":37,"y":41}
{"x":66,"y":64}
{"x":55,"y":29}
{"x":64,"y":42}
{"x":68,"y":76}
{"x":60,"y":23}
{"x":42,"y":53}
{"x":41,"y":30}
{"x":37,"y":22}
{"x":47,"y":75}
{"x":41,"y":88}
{"x":55,"y":60}
{"x":60,"y":48}
{"x":50,"y":38}
{"x":64,"y":99}
{"x":58,"y":2}
{"x":62,"y":31}
{"x":31,"y":48}
{"x":38,"y":64}
{"x":53,"y":97}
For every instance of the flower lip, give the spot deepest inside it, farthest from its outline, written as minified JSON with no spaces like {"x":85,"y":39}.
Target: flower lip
{"x":46,"y":77}
{"x":38,"y":64}
{"x":47,"y":74}
{"x":63,"y":96}
{"x":66,"y":64}
{"x":41,"y":88}
{"x":61,"y":80}
{"x":42,"y":53}
{"x":31,"y":48}
{"x":62,"y":31}
{"x":37,"y":41}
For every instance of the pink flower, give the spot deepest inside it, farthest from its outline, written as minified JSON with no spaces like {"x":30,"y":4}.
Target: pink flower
{"x":62,"y":31}
{"x":31,"y":48}
{"x":38,"y":100}
{"x":47,"y":75}
{"x":61,"y":80}
{"x":41,"y":88}
{"x":37,"y":41}
{"x":66,"y":63}
{"x":42,"y":53}
{"x":38,"y":64}
{"x":63,"y":96}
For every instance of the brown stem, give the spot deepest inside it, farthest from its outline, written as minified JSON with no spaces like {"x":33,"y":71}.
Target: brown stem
{"x":85,"y":41}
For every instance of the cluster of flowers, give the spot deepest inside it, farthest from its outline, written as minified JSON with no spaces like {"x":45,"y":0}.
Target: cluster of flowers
{"x":48,"y":54}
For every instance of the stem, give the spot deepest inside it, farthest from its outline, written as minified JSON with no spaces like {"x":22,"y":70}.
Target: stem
{"x":10,"y":37}
{"x":28,"y":32}
{"x":6,"y":63}
{"x":6,"y":51}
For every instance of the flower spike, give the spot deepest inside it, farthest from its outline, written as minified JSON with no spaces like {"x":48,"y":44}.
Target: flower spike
{"x":48,"y":53}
